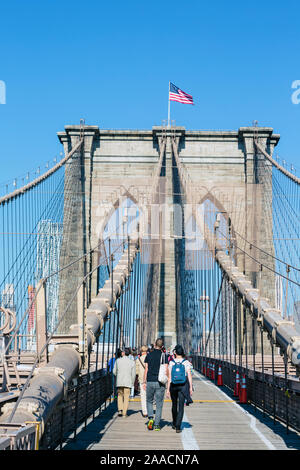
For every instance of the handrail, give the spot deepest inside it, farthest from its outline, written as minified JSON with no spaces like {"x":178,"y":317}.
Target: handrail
{"x":4,"y":443}
{"x":14,"y":437}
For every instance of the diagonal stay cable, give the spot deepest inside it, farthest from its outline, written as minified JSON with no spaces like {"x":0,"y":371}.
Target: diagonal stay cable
{"x":265,"y":252}
{"x":45,"y":279}
{"x":38,"y":180}
{"x":38,"y":357}
{"x":276,"y":164}
{"x":262,"y":264}
{"x":215,"y":309}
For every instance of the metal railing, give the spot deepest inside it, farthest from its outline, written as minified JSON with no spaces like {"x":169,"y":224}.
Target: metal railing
{"x":89,"y":393}
{"x":18,"y":436}
{"x":274,"y":394}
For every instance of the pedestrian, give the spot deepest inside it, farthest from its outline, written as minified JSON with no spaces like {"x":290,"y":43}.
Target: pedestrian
{"x":112,"y":360}
{"x":124,"y":370}
{"x":111,"y":364}
{"x":133,"y":356}
{"x":130,"y":354}
{"x":180,"y":385}
{"x":192,"y":367}
{"x":170,"y":355}
{"x":140,"y":369}
{"x":154,"y":384}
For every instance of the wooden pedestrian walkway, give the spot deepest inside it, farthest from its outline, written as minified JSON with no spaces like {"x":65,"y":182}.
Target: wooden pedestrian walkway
{"x":215,"y":421}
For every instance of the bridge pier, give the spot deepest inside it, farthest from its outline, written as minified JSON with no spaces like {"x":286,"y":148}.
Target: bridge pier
{"x":76,"y":238}
{"x":120,"y":164}
{"x":167,"y":318}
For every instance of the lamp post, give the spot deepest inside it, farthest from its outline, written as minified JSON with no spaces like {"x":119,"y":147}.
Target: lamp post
{"x":204,"y":298}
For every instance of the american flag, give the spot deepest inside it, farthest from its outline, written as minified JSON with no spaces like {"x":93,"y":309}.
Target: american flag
{"x":175,"y":94}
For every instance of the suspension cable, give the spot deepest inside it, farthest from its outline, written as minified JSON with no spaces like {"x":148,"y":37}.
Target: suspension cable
{"x":276,"y":164}
{"x":265,"y":252}
{"x":264,"y":265}
{"x":41,"y":178}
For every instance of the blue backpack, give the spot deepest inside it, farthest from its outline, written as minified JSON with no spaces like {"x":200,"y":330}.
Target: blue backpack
{"x":178,"y":375}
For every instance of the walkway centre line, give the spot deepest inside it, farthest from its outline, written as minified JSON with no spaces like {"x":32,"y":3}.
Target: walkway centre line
{"x":187,"y":436}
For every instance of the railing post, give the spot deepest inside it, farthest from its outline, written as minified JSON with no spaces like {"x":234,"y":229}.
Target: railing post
{"x":37,"y":433}
{"x":273,"y":383}
{"x":41,"y":319}
{"x":287,"y":396}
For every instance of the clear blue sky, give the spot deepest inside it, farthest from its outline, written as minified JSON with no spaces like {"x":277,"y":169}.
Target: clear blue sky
{"x":110,"y":63}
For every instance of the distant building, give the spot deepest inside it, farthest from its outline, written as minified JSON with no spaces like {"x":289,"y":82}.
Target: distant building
{"x":48,"y":251}
{"x":278,"y":293}
{"x":8,"y":297}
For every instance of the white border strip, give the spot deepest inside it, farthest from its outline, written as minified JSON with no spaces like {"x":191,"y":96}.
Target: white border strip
{"x":187,"y":436}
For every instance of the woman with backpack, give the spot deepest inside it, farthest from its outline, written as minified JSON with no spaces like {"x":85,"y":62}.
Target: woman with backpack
{"x":180,"y":385}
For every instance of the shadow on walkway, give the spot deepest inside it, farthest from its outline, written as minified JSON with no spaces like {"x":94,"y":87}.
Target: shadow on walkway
{"x":95,"y":430}
{"x":290,"y":438}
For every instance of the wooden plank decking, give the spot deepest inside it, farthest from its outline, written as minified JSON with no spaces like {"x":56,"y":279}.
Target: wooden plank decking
{"x":213,"y":422}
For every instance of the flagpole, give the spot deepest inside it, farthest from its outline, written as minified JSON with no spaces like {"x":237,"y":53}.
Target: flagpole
{"x":169,"y":108}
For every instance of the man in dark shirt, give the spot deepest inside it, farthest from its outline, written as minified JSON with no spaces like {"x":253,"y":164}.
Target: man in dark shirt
{"x":155,"y":390}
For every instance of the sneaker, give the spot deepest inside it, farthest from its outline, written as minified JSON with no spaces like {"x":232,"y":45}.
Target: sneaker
{"x":120,"y":413}
{"x":150,"y":424}
{"x":156,"y":428}
{"x":178,"y":430}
